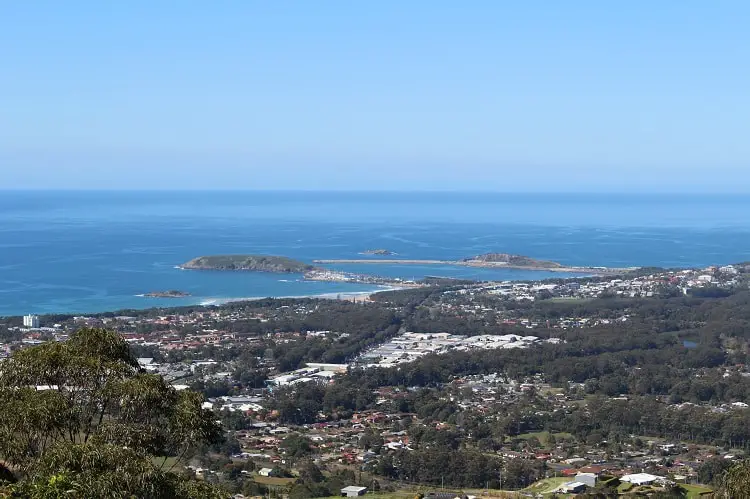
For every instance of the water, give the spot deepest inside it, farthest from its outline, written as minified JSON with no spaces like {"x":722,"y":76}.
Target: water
{"x":78,"y":252}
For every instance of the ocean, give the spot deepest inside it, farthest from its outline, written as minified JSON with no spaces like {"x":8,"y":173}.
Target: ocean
{"x":86,"y":252}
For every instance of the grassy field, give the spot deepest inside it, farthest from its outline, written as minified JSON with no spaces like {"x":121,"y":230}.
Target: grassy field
{"x":546,"y":486}
{"x":272,"y":480}
{"x":624,"y":487}
{"x":385,"y":495}
{"x":165,"y":465}
{"x":696,"y":491}
{"x":551,"y":391}
{"x":543,"y":436}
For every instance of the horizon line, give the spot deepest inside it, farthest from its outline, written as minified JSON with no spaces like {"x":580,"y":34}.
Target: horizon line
{"x":375,"y":191}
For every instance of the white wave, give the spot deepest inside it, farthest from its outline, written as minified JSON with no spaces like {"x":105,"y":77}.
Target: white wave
{"x":343,"y":295}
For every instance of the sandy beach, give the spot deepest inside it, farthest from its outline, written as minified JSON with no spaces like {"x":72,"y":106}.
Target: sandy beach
{"x":355,"y":296}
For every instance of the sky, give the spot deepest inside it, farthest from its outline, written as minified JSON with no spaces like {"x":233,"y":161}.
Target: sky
{"x":420,"y":95}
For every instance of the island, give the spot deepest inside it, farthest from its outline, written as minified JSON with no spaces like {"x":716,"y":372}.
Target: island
{"x":282,"y":264}
{"x":509,"y":260}
{"x":172,"y":293}
{"x":252,"y":263}
{"x":378,"y":252}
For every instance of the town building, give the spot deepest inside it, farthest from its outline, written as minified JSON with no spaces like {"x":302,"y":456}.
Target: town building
{"x":588,"y":479}
{"x":353,"y":491}
{"x":31,"y":321}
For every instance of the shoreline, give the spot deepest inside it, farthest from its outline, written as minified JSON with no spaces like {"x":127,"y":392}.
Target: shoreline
{"x":347,"y":295}
{"x":197,"y":301}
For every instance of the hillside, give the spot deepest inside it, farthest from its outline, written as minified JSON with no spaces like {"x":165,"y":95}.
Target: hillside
{"x":255,"y":263}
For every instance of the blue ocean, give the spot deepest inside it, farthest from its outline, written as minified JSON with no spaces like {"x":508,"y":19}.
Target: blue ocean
{"x":81,"y":252}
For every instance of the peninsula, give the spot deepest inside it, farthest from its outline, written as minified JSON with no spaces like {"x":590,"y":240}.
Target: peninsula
{"x":252,"y":263}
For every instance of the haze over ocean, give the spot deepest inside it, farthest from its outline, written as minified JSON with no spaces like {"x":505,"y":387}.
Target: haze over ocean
{"x":78,"y":252}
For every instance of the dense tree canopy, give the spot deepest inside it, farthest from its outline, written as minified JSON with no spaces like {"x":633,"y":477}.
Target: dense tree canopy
{"x":80,"y":418}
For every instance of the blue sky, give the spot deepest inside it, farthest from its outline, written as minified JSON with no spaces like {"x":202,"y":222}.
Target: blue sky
{"x":487,"y":95}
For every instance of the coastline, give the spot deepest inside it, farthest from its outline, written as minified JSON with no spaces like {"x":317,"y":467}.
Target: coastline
{"x":349,"y":296}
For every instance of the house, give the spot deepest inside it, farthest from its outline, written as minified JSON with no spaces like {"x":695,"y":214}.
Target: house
{"x":353,"y":491}
{"x":640,"y":478}
{"x":588,"y":479}
{"x":576,"y":461}
{"x":445,"y":495}
{"x":267,"y":472}
{"x":572,"y":488}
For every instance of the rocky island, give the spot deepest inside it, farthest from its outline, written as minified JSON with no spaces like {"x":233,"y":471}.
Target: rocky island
{"x":252,"y":263}
{"x":509,"y":260}
{"x":378,"y":252}
{"x":172,"y":293}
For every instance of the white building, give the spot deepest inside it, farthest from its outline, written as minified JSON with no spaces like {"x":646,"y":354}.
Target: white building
{"x":31,"y":321}
{"x":641,"y":479}
{"x":266,"y":472}
{"x":729,"y":269}
{"x":353,"y":491}
{"x":588,"y":479}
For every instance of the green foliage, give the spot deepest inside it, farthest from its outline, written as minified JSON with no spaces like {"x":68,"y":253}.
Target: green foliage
{"x":712,"y":470}
{"x":296,"y":446}
{"x":436,"y":466}
{"x":80,"y":419}
{"x":736,"y":481}
{"x":301,"y":404}
{"x":260,"y":263}
{"x":92,"y":471}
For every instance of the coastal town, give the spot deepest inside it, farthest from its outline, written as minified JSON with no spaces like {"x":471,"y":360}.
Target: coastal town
{"x":258,"y":362}
{"x":375,"y":250}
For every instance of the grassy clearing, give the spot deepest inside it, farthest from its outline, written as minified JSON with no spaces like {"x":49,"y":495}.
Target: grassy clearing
{"x":551,"y":391}
{"x":696,"y":491}
{"x":168,"y":464}
{"x":624,"y":487}
{"x":547,"y":485}
{"x":402,"y":494}
{"x":272,"y":480}
{"x":543,"y":436}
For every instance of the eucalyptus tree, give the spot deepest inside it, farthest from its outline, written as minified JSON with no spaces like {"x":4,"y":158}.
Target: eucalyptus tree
{"x":736,"y":481}
{"x":82,"y":417}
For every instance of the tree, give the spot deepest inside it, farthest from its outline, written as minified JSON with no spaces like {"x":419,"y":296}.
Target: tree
{"x":736,"y":481}
{"x":296,"y":445}
{"x":82,"y":418}
{"x":712,"y":470}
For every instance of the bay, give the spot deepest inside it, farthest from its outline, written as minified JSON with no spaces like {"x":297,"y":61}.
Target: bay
{"x":85,"y":252}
